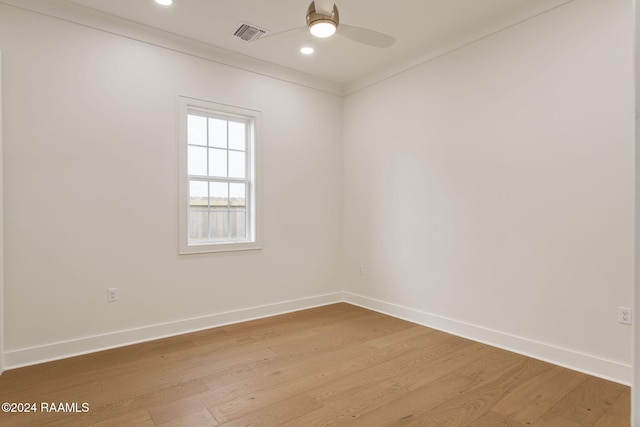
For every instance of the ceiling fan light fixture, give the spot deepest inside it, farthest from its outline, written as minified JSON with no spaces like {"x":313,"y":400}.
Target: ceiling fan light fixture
{"x":322,"y":29}
{"x":322,"y":25}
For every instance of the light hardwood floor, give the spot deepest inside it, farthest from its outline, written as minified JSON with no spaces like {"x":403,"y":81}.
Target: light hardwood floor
{"x":337,"y":365}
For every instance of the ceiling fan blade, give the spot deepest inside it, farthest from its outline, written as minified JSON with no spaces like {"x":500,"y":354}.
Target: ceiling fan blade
{"x":365,"y":36}
{"x":324,"y":7}
{"x":285,"y":33}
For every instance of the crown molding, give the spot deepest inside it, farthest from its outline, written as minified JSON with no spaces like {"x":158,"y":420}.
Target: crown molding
{"x":73,"y":13}
{"x":445,"y":46}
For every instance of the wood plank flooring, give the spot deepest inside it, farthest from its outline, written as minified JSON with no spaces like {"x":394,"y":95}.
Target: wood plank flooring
{"x":337,"y":365}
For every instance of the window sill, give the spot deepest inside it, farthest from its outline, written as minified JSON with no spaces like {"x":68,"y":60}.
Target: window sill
{"x":219,"y":247}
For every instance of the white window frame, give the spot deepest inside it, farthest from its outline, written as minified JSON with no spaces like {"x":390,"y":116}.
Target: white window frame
{"x":252,"y":242}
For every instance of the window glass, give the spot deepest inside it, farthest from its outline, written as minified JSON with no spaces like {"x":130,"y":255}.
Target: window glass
{"x":197,"y":160}
{"x":217,"y":133}
{"x":197,"y":130}
{"x":237,"y":135}
{"x":237,"y":164}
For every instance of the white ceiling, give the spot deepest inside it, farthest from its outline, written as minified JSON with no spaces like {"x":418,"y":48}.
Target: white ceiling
{"x":419,"y":26}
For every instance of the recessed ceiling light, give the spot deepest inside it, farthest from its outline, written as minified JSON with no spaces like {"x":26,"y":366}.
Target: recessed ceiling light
{"x":307,"y":50}
{"x":164,"y":2}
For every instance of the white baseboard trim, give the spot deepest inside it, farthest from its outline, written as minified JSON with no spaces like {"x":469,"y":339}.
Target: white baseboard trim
{"x":588,"y":364}
{"x":585,"y":363}
{"x":61,"y":350}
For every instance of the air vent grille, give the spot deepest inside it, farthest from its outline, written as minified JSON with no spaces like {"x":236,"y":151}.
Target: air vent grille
{"x":249,"y":32}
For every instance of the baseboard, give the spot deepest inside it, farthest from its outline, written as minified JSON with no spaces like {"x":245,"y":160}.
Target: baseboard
{"x":588,"y":364}
{"x":60,"y":350}
{"x":591,"y":365}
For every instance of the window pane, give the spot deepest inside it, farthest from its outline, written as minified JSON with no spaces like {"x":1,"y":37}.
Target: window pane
{"x":237,"y":213}
{"x":238,"y":224}
{"x":217,"y":162}
{"x":237,"y":195}
{"x":237,"y":136}
{"x":197,"y":161}
{"x":237,"y":166}
{"x":198,"y":193}
{"x":217,"y":133}
{"x":198,"y":211}
{"x":196,"y":130}
{"x":219,"y":224}
{"x":219,"y":200}
{"x":199,"y":224}
{"x":219,"y":194}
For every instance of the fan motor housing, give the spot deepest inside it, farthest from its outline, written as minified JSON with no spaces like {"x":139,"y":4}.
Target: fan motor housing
{"x":314,"y":17}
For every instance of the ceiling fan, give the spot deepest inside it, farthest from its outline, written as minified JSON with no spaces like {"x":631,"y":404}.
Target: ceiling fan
{"x":323,"y":20}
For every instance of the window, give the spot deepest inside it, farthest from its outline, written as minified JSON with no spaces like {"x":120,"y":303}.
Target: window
{"x":218,"y":204}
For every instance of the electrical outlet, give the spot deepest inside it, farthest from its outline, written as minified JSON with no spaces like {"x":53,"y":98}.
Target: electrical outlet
{"x":112,"y":294}
{"x":624,"y":315}
{"x":360,"y":270}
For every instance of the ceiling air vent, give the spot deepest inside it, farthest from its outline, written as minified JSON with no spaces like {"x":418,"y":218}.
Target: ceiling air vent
{"x":249,"y":32}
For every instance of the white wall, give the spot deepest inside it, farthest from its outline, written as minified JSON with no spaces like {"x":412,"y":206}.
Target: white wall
{"x":91,"y":196}
{"x":490,"y":191}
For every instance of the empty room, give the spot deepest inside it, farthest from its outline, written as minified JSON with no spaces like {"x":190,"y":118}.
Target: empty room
{"x":296,"y":213}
